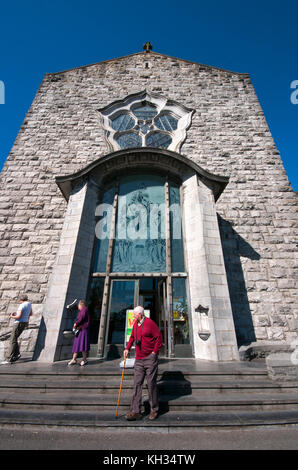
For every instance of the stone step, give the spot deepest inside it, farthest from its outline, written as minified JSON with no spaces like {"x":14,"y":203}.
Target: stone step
{"x":188,"y":368}
{"x":102,"y":385}
{"x":78,"y":371}
{"x":192,"y":393}
{"x":166,"y":421}
{"x":97,"y":401}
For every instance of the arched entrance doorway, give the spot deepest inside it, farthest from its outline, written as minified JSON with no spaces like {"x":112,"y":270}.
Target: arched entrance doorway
{"x":139,"y":260}
{"x":172,"y":277}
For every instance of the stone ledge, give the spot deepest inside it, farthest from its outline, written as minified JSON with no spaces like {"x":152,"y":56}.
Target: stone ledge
{"x":261,"y":350}
{"x":281,"y":366}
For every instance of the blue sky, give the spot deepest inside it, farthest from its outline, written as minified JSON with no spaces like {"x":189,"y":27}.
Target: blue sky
{"x":256,"y":37}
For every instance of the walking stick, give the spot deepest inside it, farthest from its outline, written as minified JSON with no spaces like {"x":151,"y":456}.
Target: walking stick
{"x":120,"y":386}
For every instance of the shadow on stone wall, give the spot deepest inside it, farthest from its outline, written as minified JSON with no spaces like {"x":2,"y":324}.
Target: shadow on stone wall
{"x":41,"y":338}
{"x":234,"y":247}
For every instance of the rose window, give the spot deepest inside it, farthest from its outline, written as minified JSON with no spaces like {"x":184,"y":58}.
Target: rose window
{"x":145,"y":120}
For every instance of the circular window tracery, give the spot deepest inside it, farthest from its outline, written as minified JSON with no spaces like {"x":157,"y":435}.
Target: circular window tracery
{"x":166,"y":122}
{"x":123,"y":122}
{"x":158,"y":140}
{"x":129,"y":140}
{"x":145,"y":112}
{"x":145,"y":120}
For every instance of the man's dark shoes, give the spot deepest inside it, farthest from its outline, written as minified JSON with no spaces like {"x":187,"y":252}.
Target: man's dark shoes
{"x":133,"y":416}
{"x":153,"y":415}
{"x":16,"y":358}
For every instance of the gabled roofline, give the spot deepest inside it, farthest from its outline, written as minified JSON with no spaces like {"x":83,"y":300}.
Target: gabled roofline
{"x":147,"y":55}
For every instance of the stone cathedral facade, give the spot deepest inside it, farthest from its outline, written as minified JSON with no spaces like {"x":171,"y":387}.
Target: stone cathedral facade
{"x":149,"y":180}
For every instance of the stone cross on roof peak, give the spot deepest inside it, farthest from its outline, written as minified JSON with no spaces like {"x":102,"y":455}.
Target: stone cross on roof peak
{"x":148,"y":46}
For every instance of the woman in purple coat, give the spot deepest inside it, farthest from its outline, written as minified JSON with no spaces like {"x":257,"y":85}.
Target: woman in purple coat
{"x":82,"y":341}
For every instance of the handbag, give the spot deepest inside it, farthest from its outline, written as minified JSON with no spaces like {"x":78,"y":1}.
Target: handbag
{"x":76,"y":332}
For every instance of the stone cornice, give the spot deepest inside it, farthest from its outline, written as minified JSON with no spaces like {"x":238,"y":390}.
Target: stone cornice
{"x":157,"y":159}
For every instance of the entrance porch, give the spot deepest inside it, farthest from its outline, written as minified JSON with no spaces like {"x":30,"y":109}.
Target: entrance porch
{"x":189,"y":296}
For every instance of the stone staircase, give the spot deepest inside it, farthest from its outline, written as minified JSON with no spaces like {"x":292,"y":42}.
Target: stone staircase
{"x":193,"y":394}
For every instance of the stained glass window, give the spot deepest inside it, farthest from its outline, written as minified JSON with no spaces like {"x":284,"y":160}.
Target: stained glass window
{"x":166,"y":122}
{"x":177,"y":255}
{"x":123,"y":122}
{"x":102,"y":230}
{"x":145,"y":112}
{"x":129,"y":140}
{"x":158,"y":140}
{"x":139,"y":244}
{"x":158,"y":122}
{"x":140,"y":231}
{"x":145,"y":127}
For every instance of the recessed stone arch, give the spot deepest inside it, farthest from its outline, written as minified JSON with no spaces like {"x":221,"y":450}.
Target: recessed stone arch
{"x":142,"y":157}
{"x":213,"y":333}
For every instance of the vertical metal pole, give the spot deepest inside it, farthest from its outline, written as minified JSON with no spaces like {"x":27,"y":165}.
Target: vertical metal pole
{"x":137,"y":293}
{"x":105,"y":302}
{"x":168,"y":269}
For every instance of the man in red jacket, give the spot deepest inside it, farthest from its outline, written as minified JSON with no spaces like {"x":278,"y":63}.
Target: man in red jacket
{"x":148,"y":342}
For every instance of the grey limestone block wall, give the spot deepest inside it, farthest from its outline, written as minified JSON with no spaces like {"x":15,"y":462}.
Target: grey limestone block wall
{"x":229,"y":136}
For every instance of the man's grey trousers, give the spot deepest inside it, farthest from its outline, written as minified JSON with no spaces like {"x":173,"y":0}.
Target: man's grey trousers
{"x":145,"y":367}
